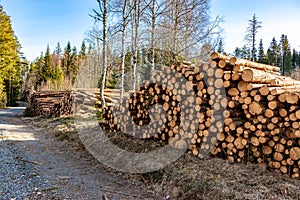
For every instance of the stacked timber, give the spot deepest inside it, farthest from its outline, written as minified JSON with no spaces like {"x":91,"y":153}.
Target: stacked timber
{"x":244,"y":111}
{"x":262,"y":125}
{"x":49,"y":103}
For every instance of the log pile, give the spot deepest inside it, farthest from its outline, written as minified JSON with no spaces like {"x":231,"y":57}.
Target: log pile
{"x":244,"y":111}
{"x":263,"y":124}
{"x":49,"y":103}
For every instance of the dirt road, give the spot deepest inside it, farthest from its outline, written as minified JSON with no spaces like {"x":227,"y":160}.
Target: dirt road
{"x":34,"y":165}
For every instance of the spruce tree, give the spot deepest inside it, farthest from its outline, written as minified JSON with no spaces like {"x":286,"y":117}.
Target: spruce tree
{"x":262,"y":58}
{"x":286,"y":62}
{"x":250,"y":36}
{"x":46,"y":67}
{"x":74,"y":65}
{"x":67,"y":60}
{"x":220,"y":46}
{"x":295,"y":59}
{"x":10,"y":62}
{"x":273,"y":53}
{"x":82,"y":52}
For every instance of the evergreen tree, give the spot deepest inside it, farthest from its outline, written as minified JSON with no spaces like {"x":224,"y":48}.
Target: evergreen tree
{"x":295,"y":59}
{"x":113,"y":78}
{"x":58,"y":49}
{"x":220,"y":46}
{"x":250,"y":36}
{"x":262,"y":58}
{"x":144,"y":56}
{"x":82,"y":52}
{"x":10,"y":62}
{"x":58,"y":73}
{"x":261,"y":52}
{"x":237,"y":52}
{"x":67,"y":60}
{"x":286,"y":64}
{"x":38,"y":70}
{"x":273,"y":53}
{"x":46,"y":67}
{"x":74,"y":65}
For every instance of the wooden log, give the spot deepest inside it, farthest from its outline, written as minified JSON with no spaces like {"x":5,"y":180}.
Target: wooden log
{"x":247,"y":63}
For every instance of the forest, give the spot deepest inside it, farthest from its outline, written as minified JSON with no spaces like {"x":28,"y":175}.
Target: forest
{"x":129,"y":39}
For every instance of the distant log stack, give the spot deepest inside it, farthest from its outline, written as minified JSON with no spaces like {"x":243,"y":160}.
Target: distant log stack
{"x":245,"y":111}
{"x":49,"y":103}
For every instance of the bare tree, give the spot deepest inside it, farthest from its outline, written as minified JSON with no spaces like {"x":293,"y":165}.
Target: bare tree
{"x":101,"y":15}
{"x":154,"y":11}
{"x":251,"y":33}
{"x":187,"y":26}
{"x":94,"y":37}
{"x":135,"y":24}
{"x":125,"y":17}
{"x":169,"y":28}
{"x":153,"y":26}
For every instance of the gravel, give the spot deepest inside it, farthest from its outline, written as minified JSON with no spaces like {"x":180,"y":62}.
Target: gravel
{"x":34,"y":165}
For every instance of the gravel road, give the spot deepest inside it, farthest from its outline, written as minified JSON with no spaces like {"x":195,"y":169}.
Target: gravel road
{"x":34,"y":165}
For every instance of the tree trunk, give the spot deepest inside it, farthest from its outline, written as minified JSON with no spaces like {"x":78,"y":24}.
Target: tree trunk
{"x":153,"y":35}
{"x":103,"y":76}
{"x":124,"y":24}
{"x":135,"y":38}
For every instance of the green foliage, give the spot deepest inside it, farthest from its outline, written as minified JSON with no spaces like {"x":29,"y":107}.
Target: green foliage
{"x":286,"y":65}
{"x":55,"y":71}
{"x":242,"y":52}
{"x":250,"y":36}
{"x":67,"y":60}
{"x":10,"y":62}
{"x":273,"y":53}
{"x":82,"y":53}
{"x":113,"y":79}
{"x":46,"y":67}
{"x":295,"y":59}
{"x":220,"y":47}
{"x":262,"y":57}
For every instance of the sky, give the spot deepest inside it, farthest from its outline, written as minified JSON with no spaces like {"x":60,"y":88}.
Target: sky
{"x":38,"y":23}
{"x":277,"y":16}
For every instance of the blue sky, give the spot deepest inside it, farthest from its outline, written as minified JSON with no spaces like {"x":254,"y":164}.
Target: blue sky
{"x":278,"y":17}
{"x":41,"y":22}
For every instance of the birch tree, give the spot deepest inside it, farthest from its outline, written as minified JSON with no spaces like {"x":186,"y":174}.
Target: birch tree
{"x":125,"y":11}
{"x":187,"y":26}
{"x":135,"y":24}
{"x":100,"y":15}
{"x":152,"y":16}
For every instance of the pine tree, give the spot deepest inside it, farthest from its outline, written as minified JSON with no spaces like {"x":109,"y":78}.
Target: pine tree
{"x":58,"y":49}
{"x":286,"y":62}
{"x":262,"y":57}
{"x":58,"y":71}
{"x":67,"y":60}
{"x":273,"y":53}
{"x":10,"y":62}
{"x":74,"y":65}
{"x":221,"y":47}
{"x":295,"y":59}
{"x":250,"y":36}
{"x":82,"y":52}
{"x":38,"y":70}
{"x":46,"y":67}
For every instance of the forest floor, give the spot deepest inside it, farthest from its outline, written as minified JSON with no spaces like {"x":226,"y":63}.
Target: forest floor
{"x":43,"y":158}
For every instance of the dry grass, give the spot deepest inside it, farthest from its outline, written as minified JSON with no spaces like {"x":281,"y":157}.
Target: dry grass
{"x":190,"y":177}
{"x":214,"y":178}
